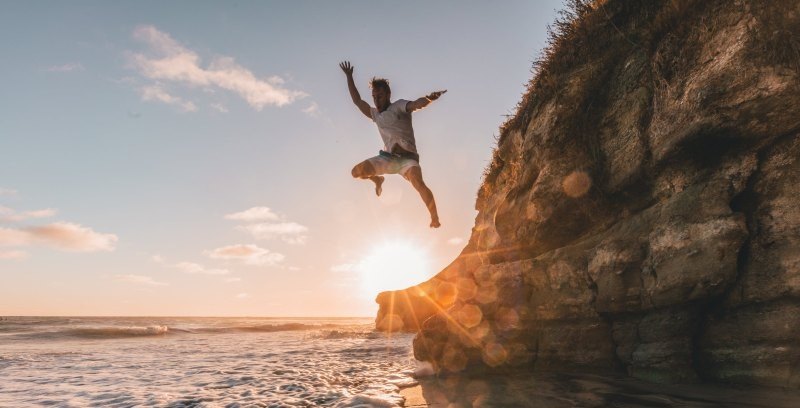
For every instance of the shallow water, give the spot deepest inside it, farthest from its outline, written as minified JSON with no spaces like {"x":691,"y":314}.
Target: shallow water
{"x":566,"y":390}
{"x":268,"y":362}
{"x":179,"y":362}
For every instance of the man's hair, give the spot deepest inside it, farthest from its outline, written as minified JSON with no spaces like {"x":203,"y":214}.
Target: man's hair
{"x":380,"y":83}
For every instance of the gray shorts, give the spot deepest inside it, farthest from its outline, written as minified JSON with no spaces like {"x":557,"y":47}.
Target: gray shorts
{"x":392,"y":164}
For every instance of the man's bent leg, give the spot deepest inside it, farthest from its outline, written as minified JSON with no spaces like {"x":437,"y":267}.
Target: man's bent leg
{"x":365,"y":170}
{"x":414,"y":175}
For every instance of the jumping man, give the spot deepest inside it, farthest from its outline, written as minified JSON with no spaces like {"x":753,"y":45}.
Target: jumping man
{"x":394,"y":124}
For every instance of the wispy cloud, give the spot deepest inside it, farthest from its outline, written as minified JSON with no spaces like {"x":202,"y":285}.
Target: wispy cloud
{"x":45,"y":213}
{"x":247,"y":254}
{"x":190,"y":267}
{"x":346,"y":267}
{"x":253,"y":214}
{"x":156,"y":93}
{"x":7,"y":191}
{"x":139,"y":279}
{"x":455,"y":241}
{"x":73,"y":237}
{"x":65,"y":236}
{"x":289,"y":232}
{"x":312,"y":110}
{"x":68,"y":67}
{"x":233,"y":279}
{"x":219,"y":107}
{"x":14,"y":237}
{"x":10,"y":215}
{"x":13,"y":254}
{"x":174,"y":62}
{"x":242,"y":296}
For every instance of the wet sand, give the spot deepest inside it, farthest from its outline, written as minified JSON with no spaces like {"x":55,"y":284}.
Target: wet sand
{"x":583,"y":390}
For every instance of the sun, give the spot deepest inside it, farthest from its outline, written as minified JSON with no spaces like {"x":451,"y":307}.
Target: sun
{"x":393,"y":265}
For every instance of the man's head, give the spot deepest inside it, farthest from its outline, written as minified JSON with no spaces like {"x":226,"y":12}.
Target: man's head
{"x":381,"y":93}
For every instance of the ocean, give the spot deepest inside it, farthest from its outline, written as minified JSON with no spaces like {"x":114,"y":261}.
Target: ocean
{"x":290,"y":362}
{"x":209,"y":362}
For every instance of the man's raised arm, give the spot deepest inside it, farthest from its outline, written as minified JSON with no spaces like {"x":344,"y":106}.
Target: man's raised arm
{"x":424,"y":101}
{"x":362,"y":105}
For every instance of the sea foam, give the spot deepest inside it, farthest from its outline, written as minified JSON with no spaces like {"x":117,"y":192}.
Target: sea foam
{"x":182,"y":362}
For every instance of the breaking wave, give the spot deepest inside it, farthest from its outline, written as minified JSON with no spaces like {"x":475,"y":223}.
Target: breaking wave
{"x":55,"y":332}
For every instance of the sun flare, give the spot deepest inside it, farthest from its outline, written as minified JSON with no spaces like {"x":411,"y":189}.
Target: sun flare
{"x":393,"y":265}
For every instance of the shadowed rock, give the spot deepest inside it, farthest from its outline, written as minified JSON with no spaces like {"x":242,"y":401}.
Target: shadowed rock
{"x":639,"y":213}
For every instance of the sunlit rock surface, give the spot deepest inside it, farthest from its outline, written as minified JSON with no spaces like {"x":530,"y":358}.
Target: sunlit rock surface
{"x":641,"y":211}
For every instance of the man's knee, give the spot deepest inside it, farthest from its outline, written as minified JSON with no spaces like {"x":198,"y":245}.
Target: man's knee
{"x":356,"y":172}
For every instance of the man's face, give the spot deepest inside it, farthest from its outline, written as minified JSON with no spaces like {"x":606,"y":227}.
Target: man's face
{"x":381,"y":98}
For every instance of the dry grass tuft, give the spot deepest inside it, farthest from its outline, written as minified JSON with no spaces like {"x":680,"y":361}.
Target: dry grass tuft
{"x":776,"y":37}
{"x":584,"y":39}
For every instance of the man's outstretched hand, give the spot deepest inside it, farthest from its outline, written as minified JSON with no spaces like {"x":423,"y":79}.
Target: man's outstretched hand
{"x":435,"y":95}
{"x":346,"y":67}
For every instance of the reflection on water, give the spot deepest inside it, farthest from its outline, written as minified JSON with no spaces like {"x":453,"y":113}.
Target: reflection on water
{"x":201,"y":362}
{"x":584,"y":390}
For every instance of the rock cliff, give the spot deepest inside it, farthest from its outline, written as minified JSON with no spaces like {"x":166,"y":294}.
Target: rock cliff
{"x":640,"y":212}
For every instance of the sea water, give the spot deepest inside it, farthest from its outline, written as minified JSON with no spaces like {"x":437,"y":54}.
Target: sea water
{"x":271,"y":362}
{"x":182,"y":362}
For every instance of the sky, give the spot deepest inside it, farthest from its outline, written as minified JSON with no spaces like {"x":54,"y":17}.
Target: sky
{"x":193,"y":158}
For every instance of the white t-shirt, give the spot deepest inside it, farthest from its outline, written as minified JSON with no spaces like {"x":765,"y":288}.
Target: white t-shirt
{"x":394,"y":125}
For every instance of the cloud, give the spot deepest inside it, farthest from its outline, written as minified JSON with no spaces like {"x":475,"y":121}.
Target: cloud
{"x":60,"y":235}
{"x":13,"y":254}
{"x":347,"y":267}
{"x":157,"y":259}
{"x":174,"y":62}
{"x":242,"y":296}
{"x":219,"y":107}
{"x":253,"y":214}
{"x":189,"y":267}
{"x":139,"y":279}
{"x":290,"y":232}
{"x":248,"y":254}
{"x":14,"y":237}
{"x":70,"y":66}
{"x":47,"y":212}
{"x":455,"y":241}
{"x":9,"y":215}
{"x":233,"y":279}
{"x":7,"y":191}
{"x":312,"y":110}
{"x":73,"y":237}
{"x":5,"y":213}
{"x":156,"y":93}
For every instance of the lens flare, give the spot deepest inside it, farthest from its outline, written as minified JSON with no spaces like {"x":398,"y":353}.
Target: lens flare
{"x":576,"y":184}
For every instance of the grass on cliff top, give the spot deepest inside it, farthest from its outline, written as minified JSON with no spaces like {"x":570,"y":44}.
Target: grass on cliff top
{"x":587,"y":31}
{"x":582,"y":33}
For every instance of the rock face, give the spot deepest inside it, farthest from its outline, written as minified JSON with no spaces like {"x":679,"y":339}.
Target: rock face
{"x":641,"y":209}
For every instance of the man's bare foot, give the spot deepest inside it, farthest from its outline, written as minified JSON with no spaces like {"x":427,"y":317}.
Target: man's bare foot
{"x":378,"y":180}
{"x":435,"y":223}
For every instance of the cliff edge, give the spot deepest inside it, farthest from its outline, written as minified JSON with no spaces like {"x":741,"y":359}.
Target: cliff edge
{"x":640,"y":211}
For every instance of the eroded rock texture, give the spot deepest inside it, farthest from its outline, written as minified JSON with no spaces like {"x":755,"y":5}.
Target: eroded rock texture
{"x":641,"y":210}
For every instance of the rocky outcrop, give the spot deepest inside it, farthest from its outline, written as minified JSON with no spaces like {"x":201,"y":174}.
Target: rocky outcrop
{"x":639,"y":213}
